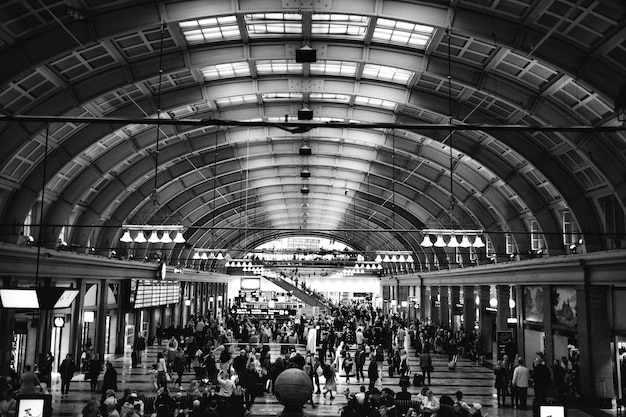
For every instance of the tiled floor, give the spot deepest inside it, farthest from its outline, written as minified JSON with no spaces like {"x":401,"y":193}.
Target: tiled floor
{"x":475,"y":381}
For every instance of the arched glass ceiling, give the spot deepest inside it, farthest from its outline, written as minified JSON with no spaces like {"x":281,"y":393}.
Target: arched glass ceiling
{"x":379,"y":62}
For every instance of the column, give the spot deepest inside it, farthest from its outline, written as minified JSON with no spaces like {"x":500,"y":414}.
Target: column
{"x":434,"y":302}
{"x":596,"y":362}
{"x":422,"y":302}
{"x":469,"y":308}
{"x":425,"y":305}
{"x":444,"y":306}
{"x":503,"y":295}
{"x":547,"y":327}
{"x":455,"y":293}
{"x":484,"y":320}
{"x":101,"y":315}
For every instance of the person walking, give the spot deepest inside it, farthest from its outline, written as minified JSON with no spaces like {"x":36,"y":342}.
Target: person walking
{"x":372,"y":372}
{"x":109,"y":381}
{"x":502,"y":382}
{"x":331,"y":383}
{"x":347,"y":365}
{"x":66,"y":369}
{"x":426,"y":364}
{"x":521,"y":376}
{"x":95,"y":367}
{"x":359,"y":363}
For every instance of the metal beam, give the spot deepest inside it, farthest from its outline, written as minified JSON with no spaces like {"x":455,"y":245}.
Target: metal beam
{"x":301,"y":127}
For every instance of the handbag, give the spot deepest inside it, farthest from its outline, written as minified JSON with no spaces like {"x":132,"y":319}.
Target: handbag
{"x":168,"y":377}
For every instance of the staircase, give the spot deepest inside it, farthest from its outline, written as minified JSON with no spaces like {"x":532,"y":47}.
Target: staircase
{"x":306,"y":298}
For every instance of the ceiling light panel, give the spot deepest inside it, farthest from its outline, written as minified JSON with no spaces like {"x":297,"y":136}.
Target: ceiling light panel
{"x":340,"y":25}
{"x":210,"y":30}
{"x":384,"y":73}
{"x":230,"y":70}
{"x":403,"y":33}
{"x":263,"y":24}
{"x":340,"y":68}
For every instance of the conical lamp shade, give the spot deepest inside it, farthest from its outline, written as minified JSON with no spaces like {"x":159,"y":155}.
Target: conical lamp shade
{"x":427,"y":243}
{"x":179,"y":238}
{"x":453,"y":242}
{"x":154,"y":237}
{"x":440,"y":243}
{"x":126,"y":238}
{"x":478,"y":243}
{"x":140,"y":237}
{"x":166,"y":237}
{"x":465,"y":243}
{"x":378,"y":259}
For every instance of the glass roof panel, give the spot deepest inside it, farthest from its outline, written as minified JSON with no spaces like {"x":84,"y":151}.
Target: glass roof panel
{"x":384,"y":73}
{"x":282,"y":66}
{"x":236,"y":100}
{"x":340,"y":24}
{"x":342,"y":68}
{"x":210,"y":30}
{"x":259,"y":24}
{"x":330,"y":97}
{"x":282,"y":96}
{"x":374,"y":102}
{"x":231,"y":70}
{"x":403,"y":33}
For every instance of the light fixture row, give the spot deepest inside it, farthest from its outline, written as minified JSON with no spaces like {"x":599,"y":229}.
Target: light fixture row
{"x":164,"y":230}
{"x":205,"y":254}
{"x":394,"y":257}
{"x":453,"y":242}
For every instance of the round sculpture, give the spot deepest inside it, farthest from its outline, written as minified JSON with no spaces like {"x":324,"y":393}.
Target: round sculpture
{"x":293,"y":388}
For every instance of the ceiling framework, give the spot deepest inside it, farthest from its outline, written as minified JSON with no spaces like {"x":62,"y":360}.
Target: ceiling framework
{"x":533,"y":112}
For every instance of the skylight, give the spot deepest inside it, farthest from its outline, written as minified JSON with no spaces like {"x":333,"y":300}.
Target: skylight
{"x":343,"y":68}
{"x":403,"y":33}
{"x":219,"y":71}
{"x":260,"y":24}
{"x":281,"y":96}
{"x":384,"y":73}
{"x":210,"y":29}
{"x":374,"y":102}
{"x":330,"y":97}
{"x":282,"y":66}
{"x":236,"y":100}
{"x":340,"y":24}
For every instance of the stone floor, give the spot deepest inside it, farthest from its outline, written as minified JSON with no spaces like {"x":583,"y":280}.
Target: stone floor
{"x":474,"y":380}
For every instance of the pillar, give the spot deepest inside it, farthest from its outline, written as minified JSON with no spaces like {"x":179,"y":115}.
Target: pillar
{"x":444,"y":306}
{"x":101,"y":315}
{"x":434,"y":301}
{"x":426,"y":305}
{"x":485,"y":321}
{"x":596,"y":362}
{"x":503,"y":295}
{"x":469,"y":308}
{"x":455,"y":294}
{"x":422,"y":303}
{"x":547,"y":327}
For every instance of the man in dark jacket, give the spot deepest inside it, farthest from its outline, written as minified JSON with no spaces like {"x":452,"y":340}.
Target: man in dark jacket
{"x":542,"y":380}
{"x":66,"y":369}
{"x":372,"y":372}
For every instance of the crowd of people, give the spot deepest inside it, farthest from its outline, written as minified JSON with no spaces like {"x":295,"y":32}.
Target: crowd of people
{"x":232,"y":365}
